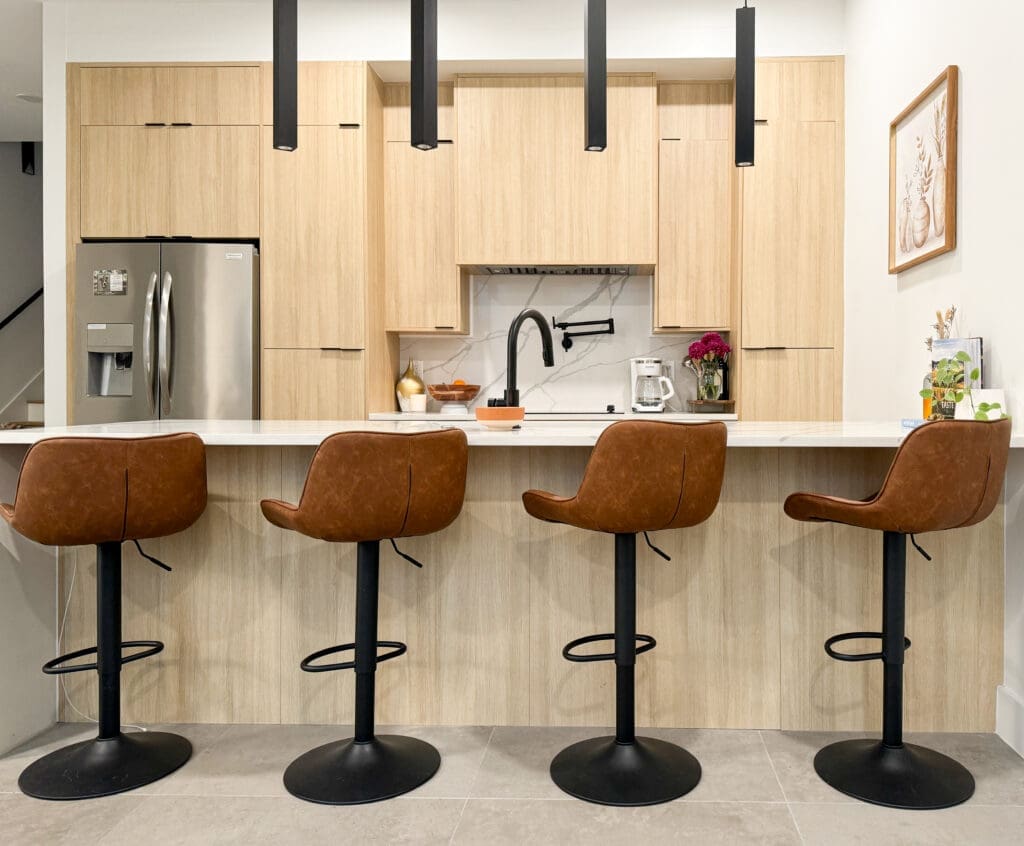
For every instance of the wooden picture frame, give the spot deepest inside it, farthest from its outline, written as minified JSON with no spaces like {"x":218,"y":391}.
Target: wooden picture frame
{"x":922,"y":175}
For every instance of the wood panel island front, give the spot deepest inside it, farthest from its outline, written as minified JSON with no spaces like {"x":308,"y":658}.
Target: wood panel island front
{"x":740,"y":613}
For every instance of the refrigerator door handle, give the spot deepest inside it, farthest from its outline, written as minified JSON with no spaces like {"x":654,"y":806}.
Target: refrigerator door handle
{"x":164,"y":349}
{"x":147,"y":342}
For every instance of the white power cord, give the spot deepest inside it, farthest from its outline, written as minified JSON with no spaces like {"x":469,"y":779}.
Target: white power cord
{"x":60,"y":640}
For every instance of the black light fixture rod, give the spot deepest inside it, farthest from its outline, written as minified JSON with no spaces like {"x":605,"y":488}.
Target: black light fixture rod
{"x":286,"y":75}
{"x":595,"y":75}
{"x":28,"y":158}
{"x":423,"y":86}
{"x":744,"y":87}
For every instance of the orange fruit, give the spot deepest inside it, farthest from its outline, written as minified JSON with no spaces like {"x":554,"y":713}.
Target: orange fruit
{"x":459,"y":382}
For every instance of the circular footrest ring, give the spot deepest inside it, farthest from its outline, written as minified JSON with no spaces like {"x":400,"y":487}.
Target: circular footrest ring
{"x":648,"y":644}
{"x":397,"y":648}
{"x":53,"y":668}
{"x":864,"y":656}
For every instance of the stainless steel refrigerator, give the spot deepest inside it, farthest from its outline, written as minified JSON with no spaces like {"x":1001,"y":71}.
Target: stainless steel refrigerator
{"x":166,"y":331}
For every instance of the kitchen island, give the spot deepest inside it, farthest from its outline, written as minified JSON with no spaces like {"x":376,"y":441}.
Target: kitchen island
{"x":740,"y":613}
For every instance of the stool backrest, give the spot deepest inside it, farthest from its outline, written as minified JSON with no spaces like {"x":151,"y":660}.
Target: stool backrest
{"x":364,"y":486}
{"x":76,"y":491}
{"x":649,"y":475}
{"x":947,"y":475}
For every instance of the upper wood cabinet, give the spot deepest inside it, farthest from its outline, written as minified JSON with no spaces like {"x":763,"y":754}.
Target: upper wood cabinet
{"x":313,"y":385}
{"x":397,"y":124}
{"x":330,"y":93}
{"x":426,"y":290}
{"x":527,"y":190}
{"x":146,"y":181}
{"x":201,"y":95}
{"x":314,"y":244}
{"x":791,"y":384}
{"x":792,"y":215}
{"x":693,"y":282}
{"x":799,"y":89}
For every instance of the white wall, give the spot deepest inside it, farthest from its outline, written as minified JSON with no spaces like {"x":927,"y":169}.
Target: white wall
{"x":893,"y":51}
{"x":196,"y":30}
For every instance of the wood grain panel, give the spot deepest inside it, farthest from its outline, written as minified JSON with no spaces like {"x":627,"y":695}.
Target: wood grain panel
{"x":314,"y":243}
{"x":529,"y":192}
{"x":214,"y":181}
{"x":790,"y":384}
{"x":792,"y":280}
{"x":831,"y":583}
{"x":694,"y":275}
{"x":804,"y":89}
{"x":301,"y":384}
{"x":227,"y":96}
{"x":330,"y":93}
{"x":695,"y":111}
{"x":124,"y":173}
{"x":426,"y":292}
{"x":397,"y":117}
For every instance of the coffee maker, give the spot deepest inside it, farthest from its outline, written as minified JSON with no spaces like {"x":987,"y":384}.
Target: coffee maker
{"x":649,"y":386}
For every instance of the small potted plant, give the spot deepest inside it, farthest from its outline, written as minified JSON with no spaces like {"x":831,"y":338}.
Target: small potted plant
{"x":706,"y":358}
{"x":949,"y":385}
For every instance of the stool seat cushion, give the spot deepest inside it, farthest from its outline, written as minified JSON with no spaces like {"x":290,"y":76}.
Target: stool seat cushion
{"x":77,"y":491}
{"x":367,"y":486}
{"x":643,"y":476}
{"x":945,"y":475}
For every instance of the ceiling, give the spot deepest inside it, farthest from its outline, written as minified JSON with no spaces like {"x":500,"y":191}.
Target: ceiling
{"x":21,"y":69}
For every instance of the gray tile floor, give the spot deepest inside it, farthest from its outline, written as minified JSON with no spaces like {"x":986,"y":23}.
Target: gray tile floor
{"x":493,"y":788}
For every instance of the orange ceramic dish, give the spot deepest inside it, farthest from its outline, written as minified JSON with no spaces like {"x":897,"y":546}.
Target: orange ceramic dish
{"x":500,"y":417}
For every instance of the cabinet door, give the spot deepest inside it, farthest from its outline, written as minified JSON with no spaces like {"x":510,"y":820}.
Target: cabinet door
{"x":135,"y":96}
{"x":124,"y":182}
{"x":695,"y":235}
{"x":527,"y":189}
{"x":330,"y":93}
{"x":791,"y":274}
{"x":803,"y":89}
{"x":313,"y":258}
{"x":397,"y":118}
{"x":227,"y":96}
{"x":423,"y":283}
{"x":790,"y":384}
{"x":215,"y":181}
{"x":312,"y":385}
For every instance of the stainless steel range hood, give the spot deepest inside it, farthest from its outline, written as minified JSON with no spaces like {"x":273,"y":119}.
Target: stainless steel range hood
{"x":560,"y":270}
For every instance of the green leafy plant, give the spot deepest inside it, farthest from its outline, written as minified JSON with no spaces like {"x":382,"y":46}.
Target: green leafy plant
{"x":950,"y":384}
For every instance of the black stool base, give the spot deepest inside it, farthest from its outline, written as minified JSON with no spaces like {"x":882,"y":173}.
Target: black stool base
{"x":348,"y":773}
{"x":97,"y":767}
{"x":646,"y":772}
{"x":906,"y":776}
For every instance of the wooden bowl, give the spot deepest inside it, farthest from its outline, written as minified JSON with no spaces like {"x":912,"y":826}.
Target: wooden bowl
{"x":500,"y":418}
{"x":454,"y":393}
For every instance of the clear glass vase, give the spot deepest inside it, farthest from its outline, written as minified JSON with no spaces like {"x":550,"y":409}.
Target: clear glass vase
{"x":709,"y":383}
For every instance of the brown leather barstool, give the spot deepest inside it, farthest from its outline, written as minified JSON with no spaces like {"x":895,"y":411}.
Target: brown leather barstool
{"x":945,"y":475}
{"x":641,"y":477}
{"x":362,"y":488}
{"x":105,"y":491}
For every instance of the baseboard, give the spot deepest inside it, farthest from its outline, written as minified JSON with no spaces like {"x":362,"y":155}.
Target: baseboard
{"x":1010,"y":718}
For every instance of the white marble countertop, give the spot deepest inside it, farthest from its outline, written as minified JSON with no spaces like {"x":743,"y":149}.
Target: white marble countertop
{"x":551,"y":416}
{"x":532,"y":434}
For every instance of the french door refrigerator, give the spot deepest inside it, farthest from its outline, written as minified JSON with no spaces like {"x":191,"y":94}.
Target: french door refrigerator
{"x":165,"y":331}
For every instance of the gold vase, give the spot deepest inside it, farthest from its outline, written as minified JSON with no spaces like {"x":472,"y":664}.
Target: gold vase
{"x":407,"y":386}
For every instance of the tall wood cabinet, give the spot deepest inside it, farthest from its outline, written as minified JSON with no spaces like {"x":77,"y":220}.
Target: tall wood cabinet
{"x":325,"y":352}
{"x":791,"y":243}
{"x":696,"y":180}
{"x":527,"y":190}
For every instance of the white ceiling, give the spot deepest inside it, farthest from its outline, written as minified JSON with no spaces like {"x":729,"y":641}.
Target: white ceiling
{"x":21,"y":69}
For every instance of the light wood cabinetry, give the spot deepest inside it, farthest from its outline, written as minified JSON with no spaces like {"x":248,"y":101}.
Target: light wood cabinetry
{"x":396,"y":112}
{"x":693,"y":282}
{"x":330,"y":93}
{"x":311,"y":384}
{"x":529,"y":192}
{"x":314,"y":240}
{"x":426,"y":290}
{"x":791,"y":384}
{"x":124,"y":181}
{"x":791,"y":244}
{"x":202,"y":95}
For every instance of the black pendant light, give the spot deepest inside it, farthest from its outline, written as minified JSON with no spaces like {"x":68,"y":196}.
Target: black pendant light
{"x":595,"y":75}
{"x":286,"y":75}
{"x":744,"y":87}
{"x":28,"y":158}
{"x":423,"y":87}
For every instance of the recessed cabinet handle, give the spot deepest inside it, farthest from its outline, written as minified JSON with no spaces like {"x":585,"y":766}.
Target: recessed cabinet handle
{"x":182,"y":123}
{"x":348,"y":126}
{"x":341,"y":349}
{"x":444,"y":327}
{"x":445,"y":141}
{"x":155,"y":123}
{"x":670,"y":326}
{"x":761,"y":120}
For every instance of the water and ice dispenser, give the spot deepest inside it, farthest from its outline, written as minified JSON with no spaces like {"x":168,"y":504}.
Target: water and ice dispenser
{"x":109,"y":347}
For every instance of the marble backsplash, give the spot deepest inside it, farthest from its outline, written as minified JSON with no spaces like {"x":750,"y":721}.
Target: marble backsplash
{"x":588,"y":377}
